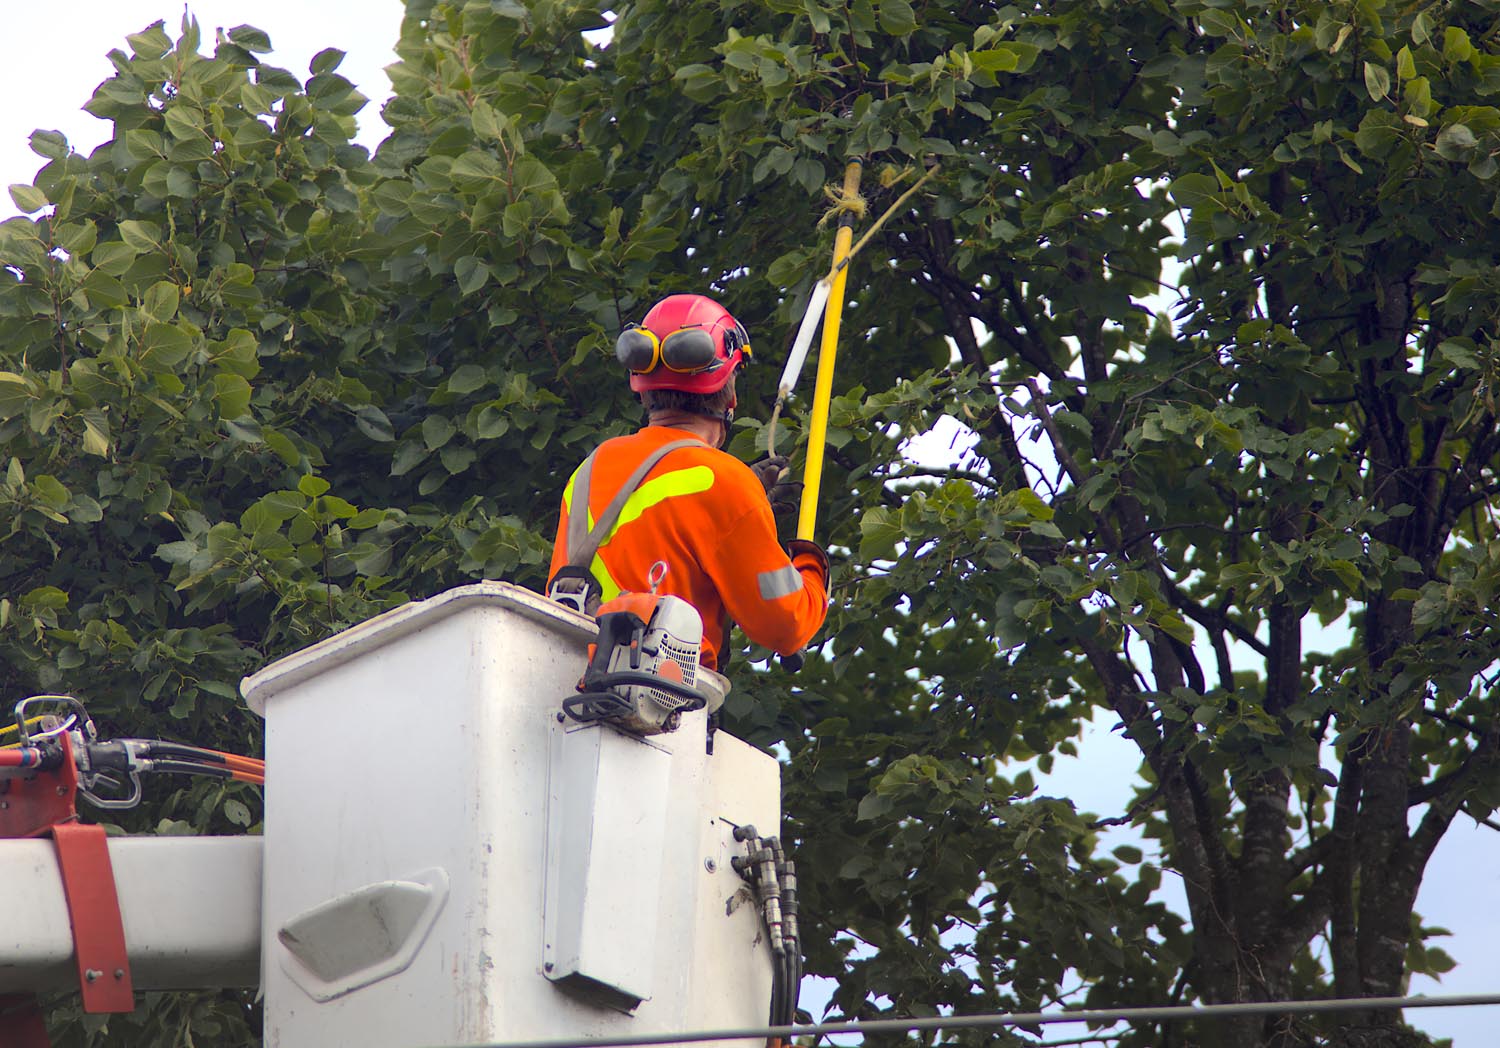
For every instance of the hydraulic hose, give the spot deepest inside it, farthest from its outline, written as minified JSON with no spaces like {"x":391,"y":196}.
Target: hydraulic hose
{"x":232,"y":761}
{"x":21,"y":757}
{"x":772,"y":874}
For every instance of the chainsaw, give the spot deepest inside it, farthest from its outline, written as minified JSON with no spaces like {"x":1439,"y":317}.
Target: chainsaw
{"x":643,"y":667}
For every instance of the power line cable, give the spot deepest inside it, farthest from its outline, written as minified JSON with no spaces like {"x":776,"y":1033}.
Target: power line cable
{"x":1169,"y":1013}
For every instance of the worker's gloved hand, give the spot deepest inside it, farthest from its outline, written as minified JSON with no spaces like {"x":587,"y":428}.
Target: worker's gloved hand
{"x":783,"y":493}
{"x":808,"y":554}
{"x":805,"y":555}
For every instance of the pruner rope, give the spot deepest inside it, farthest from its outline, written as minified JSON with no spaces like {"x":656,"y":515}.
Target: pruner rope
{"x":843,"y":204}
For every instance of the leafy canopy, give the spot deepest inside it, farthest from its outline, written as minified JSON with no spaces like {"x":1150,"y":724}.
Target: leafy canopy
{"x":1210,"y":283}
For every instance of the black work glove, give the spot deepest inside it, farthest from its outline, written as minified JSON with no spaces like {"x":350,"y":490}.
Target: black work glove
{"x":783,"y":493}
{"x":805,"y":553}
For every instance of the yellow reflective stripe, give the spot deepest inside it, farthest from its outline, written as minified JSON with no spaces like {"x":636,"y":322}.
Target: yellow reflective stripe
{"x":609,"y":589}
{"x":657,"y":490}
{"x":653,"y":492}
{"x":690,"y":481}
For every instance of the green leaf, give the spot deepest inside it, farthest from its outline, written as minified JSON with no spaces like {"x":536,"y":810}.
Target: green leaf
{"x":1421,"y":29}
{"x":151,"y":42}
{"x":1377,"y":81}
{"x":1456,"y":45}
{"x":45,"y":597}
{"x":96,"y":433}
{"x":79,"y":238}
{"x":183,"y":122}
{"x":85,"y":510}
{"x":140,"y":236}
{"x":408,"y":456}
{"x":50,"y":490}
{"x":114,"y":257}
{"x":1379,"y":133}
{"x":488,"y":124}
{"x":1009,"y":56}
{"x":872,"y":806}
{"x":164,"y":347}
{"x":467,"y":379}
{"x":144,"y":145}
{"x":50,"y":144}
{"x":880,"y":532}
{"x":1459,"y":352}
{"x":897,"y":17}
{"x":160,"y":303}
{"x":436,"y":431}
{"x":28,"y":198}
{"x":457,"y":459}
{"x":251,"y":39}
{"x":15,"y":393}
{"x":471,"y":273}
{"x":325,"y":61}
{"x":232,"y":394}
{"x":1034,"y":505}
{"x":1216,"y":22}
{"x":1406,"y":66}
{"x":1455,"y":142}
{"x":312,"y":486}
{"x":374,"y":423}
{"x":1174,"y":627}
{"x":1195,"y":190}
{"x":282,"y":446}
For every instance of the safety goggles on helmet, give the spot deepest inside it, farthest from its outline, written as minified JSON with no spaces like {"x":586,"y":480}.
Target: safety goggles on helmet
{"x":687,"y":351}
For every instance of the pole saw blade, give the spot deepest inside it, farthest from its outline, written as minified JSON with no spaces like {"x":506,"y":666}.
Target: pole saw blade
{"x":803,"y":342}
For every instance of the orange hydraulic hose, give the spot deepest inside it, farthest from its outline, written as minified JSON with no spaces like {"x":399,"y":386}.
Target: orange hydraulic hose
{"x":235,"y":760}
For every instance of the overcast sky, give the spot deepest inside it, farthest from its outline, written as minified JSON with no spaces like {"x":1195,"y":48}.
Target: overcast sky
{"x":57,"y":59}
{"x":47,"y":79}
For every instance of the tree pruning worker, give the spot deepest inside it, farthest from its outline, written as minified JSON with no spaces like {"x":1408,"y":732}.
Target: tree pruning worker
{"x":682,"y":501}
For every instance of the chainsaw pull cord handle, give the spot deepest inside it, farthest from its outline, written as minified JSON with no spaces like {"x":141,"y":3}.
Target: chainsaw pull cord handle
{"x":657,"y":576}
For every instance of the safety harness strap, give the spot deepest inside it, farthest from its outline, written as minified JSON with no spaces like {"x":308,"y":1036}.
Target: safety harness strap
{"x":583,"y":541}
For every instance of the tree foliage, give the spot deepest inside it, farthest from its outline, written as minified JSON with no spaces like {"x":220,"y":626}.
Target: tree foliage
{"x":1210,"y":284}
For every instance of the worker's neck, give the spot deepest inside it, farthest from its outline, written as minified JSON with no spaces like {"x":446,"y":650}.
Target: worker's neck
{"x":708,"y":430}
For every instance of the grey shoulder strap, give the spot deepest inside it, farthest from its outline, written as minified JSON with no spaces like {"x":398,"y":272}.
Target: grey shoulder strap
{"x":583,"y":543}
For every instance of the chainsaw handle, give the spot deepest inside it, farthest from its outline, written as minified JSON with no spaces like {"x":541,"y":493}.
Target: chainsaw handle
{"x":604,"y":681}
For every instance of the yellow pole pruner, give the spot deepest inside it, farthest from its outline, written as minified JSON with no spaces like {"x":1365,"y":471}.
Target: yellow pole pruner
{"x":828,"y":299}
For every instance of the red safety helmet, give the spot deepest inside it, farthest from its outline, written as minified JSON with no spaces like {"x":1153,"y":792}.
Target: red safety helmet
{"x":686,"y":342}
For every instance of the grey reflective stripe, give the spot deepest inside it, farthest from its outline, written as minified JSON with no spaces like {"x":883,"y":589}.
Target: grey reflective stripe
{"x":782,"y":582}
{"x":578,"y":523}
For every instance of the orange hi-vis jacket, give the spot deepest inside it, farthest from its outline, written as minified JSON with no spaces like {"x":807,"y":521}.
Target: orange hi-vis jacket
{"x":705,"y":515}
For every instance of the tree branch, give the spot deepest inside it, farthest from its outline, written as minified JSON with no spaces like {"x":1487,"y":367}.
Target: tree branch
{"x":1447,"y":804}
